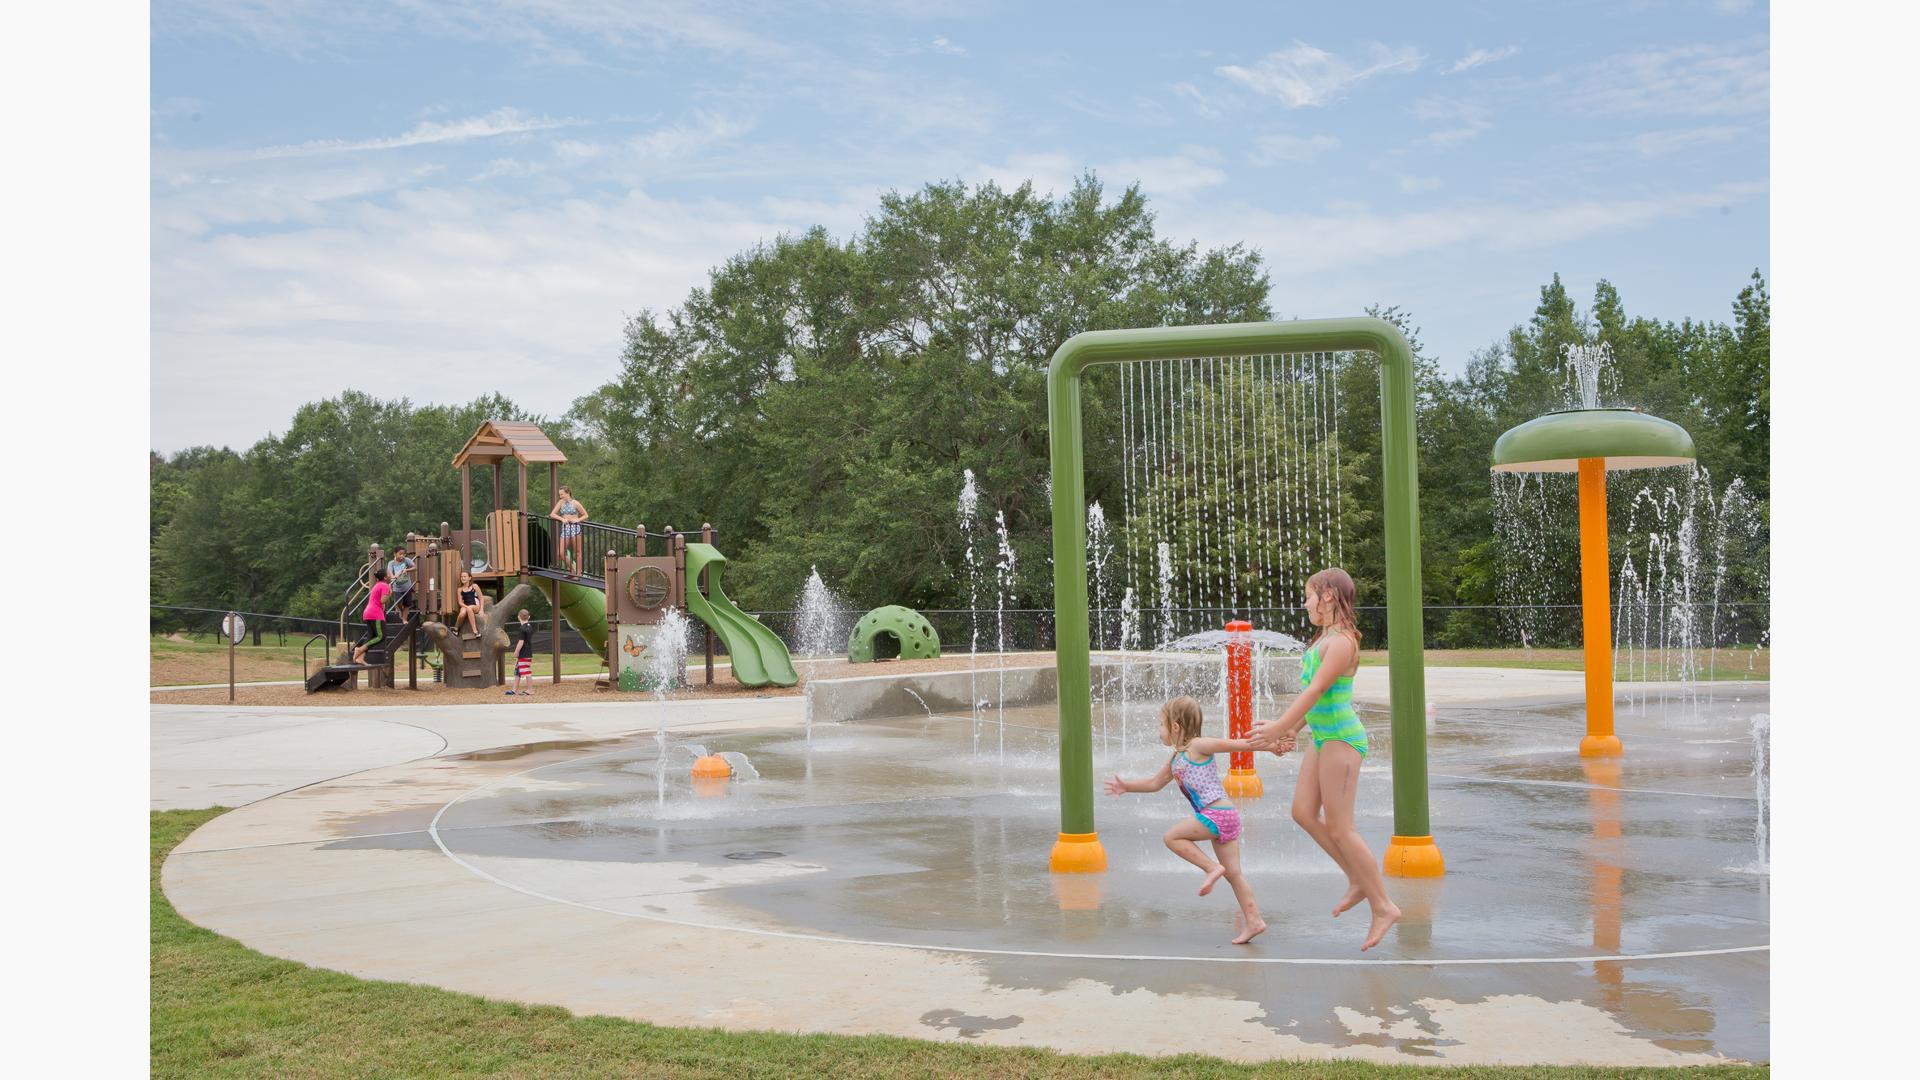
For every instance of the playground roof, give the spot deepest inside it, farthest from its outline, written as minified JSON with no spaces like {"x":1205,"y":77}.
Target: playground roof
{"x":498,"y":439}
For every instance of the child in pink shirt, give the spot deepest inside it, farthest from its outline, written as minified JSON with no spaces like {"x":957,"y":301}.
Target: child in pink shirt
{"x":375,"y":616}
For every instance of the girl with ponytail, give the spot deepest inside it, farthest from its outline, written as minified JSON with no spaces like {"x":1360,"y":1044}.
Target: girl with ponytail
{"x":1323,"y":796}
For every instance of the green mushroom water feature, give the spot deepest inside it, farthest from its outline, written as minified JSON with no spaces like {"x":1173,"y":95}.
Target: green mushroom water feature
{"x":1593,"y":441}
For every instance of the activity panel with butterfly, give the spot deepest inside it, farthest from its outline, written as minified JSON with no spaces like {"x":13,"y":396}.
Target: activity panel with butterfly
{"x":688,"y":579}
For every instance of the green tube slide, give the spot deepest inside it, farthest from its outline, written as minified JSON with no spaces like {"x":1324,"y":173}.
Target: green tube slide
{"x":757,"y":653}
{"x":583,"y":606}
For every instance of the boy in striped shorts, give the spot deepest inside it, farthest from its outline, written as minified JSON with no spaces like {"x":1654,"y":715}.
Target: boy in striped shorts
{"x":523,"y":656}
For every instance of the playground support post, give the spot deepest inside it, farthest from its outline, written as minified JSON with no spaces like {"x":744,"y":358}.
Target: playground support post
{"x":706,"y":537}
{"x":1411,"y":852}
{"x":233,"y":620}
{"x":1596,"y":619}
{"x":1241,"y":782}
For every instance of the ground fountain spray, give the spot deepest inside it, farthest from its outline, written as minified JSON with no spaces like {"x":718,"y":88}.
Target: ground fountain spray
{"x":1004,"y":584}
{"x":821,"y":631}
{"x":1762,"y":723}
{"x":969,"y":510}
{"x":666,"y":672}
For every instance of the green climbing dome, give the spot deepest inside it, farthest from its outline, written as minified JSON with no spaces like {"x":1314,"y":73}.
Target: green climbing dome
{"x":887,"y":632}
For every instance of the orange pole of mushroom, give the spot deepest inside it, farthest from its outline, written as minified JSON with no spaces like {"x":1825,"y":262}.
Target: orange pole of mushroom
{"x":1241,"y":782}
{"x":1596,"y":616}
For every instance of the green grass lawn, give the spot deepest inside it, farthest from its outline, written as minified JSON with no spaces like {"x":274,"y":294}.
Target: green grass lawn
{"x":1732,"y":664}
{"x":219,"y":1009}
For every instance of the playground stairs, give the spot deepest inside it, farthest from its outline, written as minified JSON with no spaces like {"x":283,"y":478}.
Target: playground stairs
{"x":333,"y":676}
{"x":394,"y":637}
{"x":471,"y":657}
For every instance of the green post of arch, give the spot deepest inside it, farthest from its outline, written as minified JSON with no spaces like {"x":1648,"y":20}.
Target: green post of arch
{"x":1411,"y":852}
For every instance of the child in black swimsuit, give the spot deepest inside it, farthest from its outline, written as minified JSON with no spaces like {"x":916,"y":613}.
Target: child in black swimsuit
{"x":469,"y":604}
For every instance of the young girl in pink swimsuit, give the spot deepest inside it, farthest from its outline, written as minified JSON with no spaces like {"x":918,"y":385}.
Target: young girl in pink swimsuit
{"x":1215,"y":818}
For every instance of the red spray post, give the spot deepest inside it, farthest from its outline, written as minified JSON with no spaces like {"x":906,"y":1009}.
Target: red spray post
{"x":1242,"y":782}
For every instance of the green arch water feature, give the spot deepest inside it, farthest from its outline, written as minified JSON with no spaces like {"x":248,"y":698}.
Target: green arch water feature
{"x":1411,"y":852}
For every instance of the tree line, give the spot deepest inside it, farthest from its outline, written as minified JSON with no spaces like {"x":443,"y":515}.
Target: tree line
{"x":817,"y":399}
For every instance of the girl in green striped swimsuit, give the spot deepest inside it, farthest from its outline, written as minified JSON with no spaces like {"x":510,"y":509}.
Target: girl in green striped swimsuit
{"x":1330,"y":771}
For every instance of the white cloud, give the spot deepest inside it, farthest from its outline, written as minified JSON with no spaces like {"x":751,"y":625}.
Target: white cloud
{"x":1478,"y":57}
{"x":945,"y":47}
{"x":1136,"y":112}
{"x":1302,"y":75}
{"x":1356,"y":236}
{"x":1199,"y":101}
{"x":1166,"y":179}
{"x":1662,"y":143}
{"x":500,"y":168}
{"x":1271,"y":149}
{"x":437,"y":294}
{"x":1051,"y":173}
{"x":305,"y":26}
{"x":685,"y":140}
{"x":1695,"y":80}
{"x":179,"y":106}
{"x":1413,"y":185}
{"x":506,"y":121}
{"x":1171,"y":177}
{"x":1462,"y":121}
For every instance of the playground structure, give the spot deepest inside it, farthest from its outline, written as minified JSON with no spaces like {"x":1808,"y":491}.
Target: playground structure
{"x":1412,"y":851}
{"x":1593,"y":441}
{"x":517,"y":552}
{"x":889,"y":632}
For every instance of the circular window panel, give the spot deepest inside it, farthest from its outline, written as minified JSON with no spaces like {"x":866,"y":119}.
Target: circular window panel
{"x":648,"y":587}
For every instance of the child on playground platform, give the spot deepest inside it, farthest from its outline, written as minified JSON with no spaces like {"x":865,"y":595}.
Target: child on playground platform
{"x":523,"y":656}
{"x":375,"y":615}
{"x":1215,"y":818}
{"x":400,"y":576}
{"x":469,"y":605}
{"x":569,"y":513}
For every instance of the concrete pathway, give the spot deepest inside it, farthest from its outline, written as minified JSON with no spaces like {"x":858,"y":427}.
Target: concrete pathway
{"x":206,"y":755}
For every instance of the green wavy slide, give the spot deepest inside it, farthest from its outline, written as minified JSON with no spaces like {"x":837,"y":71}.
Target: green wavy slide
{"x":583,"y":606}
{"x":757,"y":653}
{"x":758,"y":656}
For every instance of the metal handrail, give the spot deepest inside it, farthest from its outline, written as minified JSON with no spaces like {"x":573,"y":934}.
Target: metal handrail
{"x":596,"y":539}
{"x":361,"y":588}
{"x":304,"y":676}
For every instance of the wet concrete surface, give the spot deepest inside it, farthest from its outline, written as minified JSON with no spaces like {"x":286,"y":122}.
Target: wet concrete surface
{"x":1569,"y":883}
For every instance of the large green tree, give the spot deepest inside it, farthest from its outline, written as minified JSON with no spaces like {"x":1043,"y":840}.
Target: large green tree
{"x":818,"y":400}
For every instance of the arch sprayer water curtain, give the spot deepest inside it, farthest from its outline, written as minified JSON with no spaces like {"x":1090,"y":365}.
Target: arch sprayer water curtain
{"x":1411,"y":852}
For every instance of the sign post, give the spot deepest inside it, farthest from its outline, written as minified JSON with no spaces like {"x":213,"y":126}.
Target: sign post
{"x":234,"y":628}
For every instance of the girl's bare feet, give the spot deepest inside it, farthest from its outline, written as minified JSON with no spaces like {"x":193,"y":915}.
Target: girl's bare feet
{"x":1383,"y":919}
{"x":1354,"y":896}
{"x":1250,"y":930}
{"x":1213,"y":877}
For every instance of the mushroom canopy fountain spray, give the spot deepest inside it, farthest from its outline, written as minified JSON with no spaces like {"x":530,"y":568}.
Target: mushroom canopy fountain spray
{"x":1590,"y":441}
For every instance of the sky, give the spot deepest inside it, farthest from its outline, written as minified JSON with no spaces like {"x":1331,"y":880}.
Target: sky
{"x":435,"y":200}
